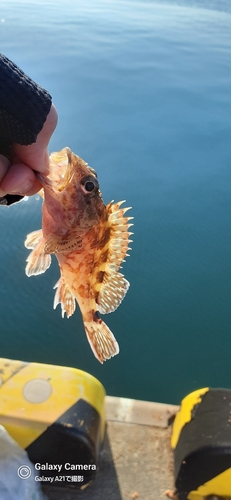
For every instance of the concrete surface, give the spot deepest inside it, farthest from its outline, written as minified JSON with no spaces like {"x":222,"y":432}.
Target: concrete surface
{"x":136,"y":462}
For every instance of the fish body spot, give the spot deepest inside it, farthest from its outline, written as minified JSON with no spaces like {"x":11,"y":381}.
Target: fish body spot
{"x":104,"y":239}
{"x":81,"y":290}
{"x":103,"y":257}
{"x":99,"y":276}
{"x":96,"y":317}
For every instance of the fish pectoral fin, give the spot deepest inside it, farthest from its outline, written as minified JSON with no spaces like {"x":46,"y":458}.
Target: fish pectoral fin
{"x":101,"y":339}
{"x":65,"y":297}
{"x":33,"y":239}
{"x":113,"y":289}
{"x":37,"y":261}
{"x":64,"y":243}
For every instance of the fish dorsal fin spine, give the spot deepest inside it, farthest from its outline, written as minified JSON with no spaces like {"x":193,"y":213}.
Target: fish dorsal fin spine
{"x":119,"y":235}
{"x":114,"y":286}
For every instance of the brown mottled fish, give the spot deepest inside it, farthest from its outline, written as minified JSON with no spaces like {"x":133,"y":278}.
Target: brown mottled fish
{"x":90,"y":241}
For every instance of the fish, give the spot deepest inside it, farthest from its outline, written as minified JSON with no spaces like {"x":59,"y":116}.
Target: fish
{"x":90,"y":241}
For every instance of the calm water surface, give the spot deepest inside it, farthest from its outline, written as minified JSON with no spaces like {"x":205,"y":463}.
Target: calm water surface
{"x":143,"y":94}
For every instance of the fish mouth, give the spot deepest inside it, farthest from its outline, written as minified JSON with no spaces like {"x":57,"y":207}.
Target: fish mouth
{"x":58,"y":178}
{"x":67,"y":175}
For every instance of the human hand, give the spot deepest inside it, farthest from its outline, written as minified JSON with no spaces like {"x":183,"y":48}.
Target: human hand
{"x":17,"y":175}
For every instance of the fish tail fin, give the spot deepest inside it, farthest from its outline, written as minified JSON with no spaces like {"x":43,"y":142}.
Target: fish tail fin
{"x":38,"y":261}
{"x":101,"y":339}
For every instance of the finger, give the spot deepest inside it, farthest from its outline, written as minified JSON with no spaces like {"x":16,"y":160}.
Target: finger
{"x":36,"y":155}
{"x":20,"y":179}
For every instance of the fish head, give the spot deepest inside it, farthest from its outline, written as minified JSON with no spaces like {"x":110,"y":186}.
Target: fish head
{"x":72,"y":186}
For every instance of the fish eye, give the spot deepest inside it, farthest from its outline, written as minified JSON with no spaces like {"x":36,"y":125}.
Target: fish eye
{"x":89,"y":185}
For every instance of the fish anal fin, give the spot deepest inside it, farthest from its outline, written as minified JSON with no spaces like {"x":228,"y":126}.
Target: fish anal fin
{"x":64,"y":243}
{"x":33,"y":239}
{"x":37,"y":261}
{"x":101,"y":339}
{"x":112,"y":291}
{"x":65,"y":297}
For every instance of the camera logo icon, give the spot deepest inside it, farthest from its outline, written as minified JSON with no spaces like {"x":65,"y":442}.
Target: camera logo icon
{"x":24,"y":471}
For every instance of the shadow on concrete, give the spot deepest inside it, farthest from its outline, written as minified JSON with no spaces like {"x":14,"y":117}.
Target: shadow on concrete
{"x":105,"y":485}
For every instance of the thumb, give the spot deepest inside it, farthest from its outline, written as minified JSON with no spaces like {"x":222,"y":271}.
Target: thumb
{"x":36,"y":154}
